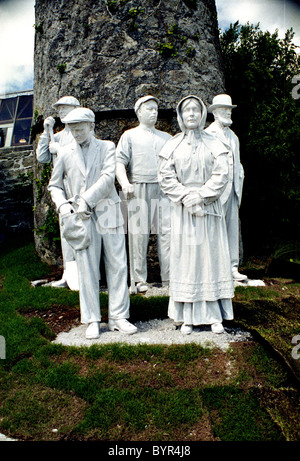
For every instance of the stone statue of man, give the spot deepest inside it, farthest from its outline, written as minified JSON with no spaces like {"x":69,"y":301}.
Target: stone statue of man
{"x":138,"y":151}
{"x":83,"y":190}
{"x":48,"y":143}
{"x":46,"y":152}
{"x":221,"y":108}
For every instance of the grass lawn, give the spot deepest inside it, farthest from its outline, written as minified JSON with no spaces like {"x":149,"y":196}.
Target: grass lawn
{"x":50,"y":392}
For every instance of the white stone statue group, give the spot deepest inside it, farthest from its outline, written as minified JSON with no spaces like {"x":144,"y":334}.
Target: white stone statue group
{"x":187,"y":188}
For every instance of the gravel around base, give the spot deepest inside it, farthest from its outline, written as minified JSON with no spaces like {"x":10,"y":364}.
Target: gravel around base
{"x":155,"y":332}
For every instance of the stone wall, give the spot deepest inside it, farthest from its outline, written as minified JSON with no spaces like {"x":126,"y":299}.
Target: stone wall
{"x":107,"y":54}
{"x":16,"y":202}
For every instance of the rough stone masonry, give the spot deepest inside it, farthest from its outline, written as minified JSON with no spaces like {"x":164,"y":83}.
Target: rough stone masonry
{"x":109,"y":53}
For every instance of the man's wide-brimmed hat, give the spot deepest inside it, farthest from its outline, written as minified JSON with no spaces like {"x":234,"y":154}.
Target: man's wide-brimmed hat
{"x":67,"y":101}
{"x":141,"y":101}
{"x":80,"y":114}
{"x":221,"y":100}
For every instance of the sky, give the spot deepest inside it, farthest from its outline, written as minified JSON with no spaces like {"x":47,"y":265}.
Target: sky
{"x":270,"y":14}
{"x":17,"y":32}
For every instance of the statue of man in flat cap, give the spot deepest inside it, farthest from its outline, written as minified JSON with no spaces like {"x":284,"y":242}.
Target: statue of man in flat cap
{"x":46,"y":152}
{"x":137,"y":151}
{"x":48,"y":143}
{"x":83,"y":190}
{"x":231,"y":198}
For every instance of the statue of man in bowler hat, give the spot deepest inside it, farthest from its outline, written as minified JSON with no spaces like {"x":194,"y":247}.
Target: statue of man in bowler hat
{"x":231,"y":198}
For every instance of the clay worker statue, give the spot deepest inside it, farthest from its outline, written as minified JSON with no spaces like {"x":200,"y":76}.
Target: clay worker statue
{"x":138,"y":150}
{"x":82,"y":188}
{"x":193,"y":173}
{"x":46,"y":152}
{"x":48,"y":143}
{"x":231,"y":198}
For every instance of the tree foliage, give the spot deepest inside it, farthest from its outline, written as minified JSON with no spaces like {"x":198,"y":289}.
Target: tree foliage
{"x":259,"y":69}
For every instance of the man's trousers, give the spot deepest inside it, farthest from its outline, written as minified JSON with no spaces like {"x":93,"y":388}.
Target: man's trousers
{"x":112,"y":243}
{"x":231,"y":212}
{"x":149,"y":211}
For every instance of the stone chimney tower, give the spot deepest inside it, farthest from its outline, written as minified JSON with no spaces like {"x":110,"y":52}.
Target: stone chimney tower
{"x":107,"y":54}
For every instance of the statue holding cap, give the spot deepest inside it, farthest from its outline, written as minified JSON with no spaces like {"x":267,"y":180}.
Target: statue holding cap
{"x":231,"y":198}
{"x":137,"y":151}
{"x":46,"y":152}
{"x":83,"y":190}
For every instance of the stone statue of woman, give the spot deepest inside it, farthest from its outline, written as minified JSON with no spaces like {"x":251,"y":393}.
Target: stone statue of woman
{"x":193,"y":173}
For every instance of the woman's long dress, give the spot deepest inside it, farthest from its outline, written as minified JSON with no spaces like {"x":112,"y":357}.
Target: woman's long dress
{"x":201,"y":285}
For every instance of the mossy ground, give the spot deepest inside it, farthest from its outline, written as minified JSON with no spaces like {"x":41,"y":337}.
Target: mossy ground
{"x":50,"y":392}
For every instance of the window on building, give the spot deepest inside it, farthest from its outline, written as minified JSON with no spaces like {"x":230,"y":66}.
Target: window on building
{"x":3,"y":132}
{"x":15,"y":119}
{"x":6,"y":134}
{"x":8,"y":110}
